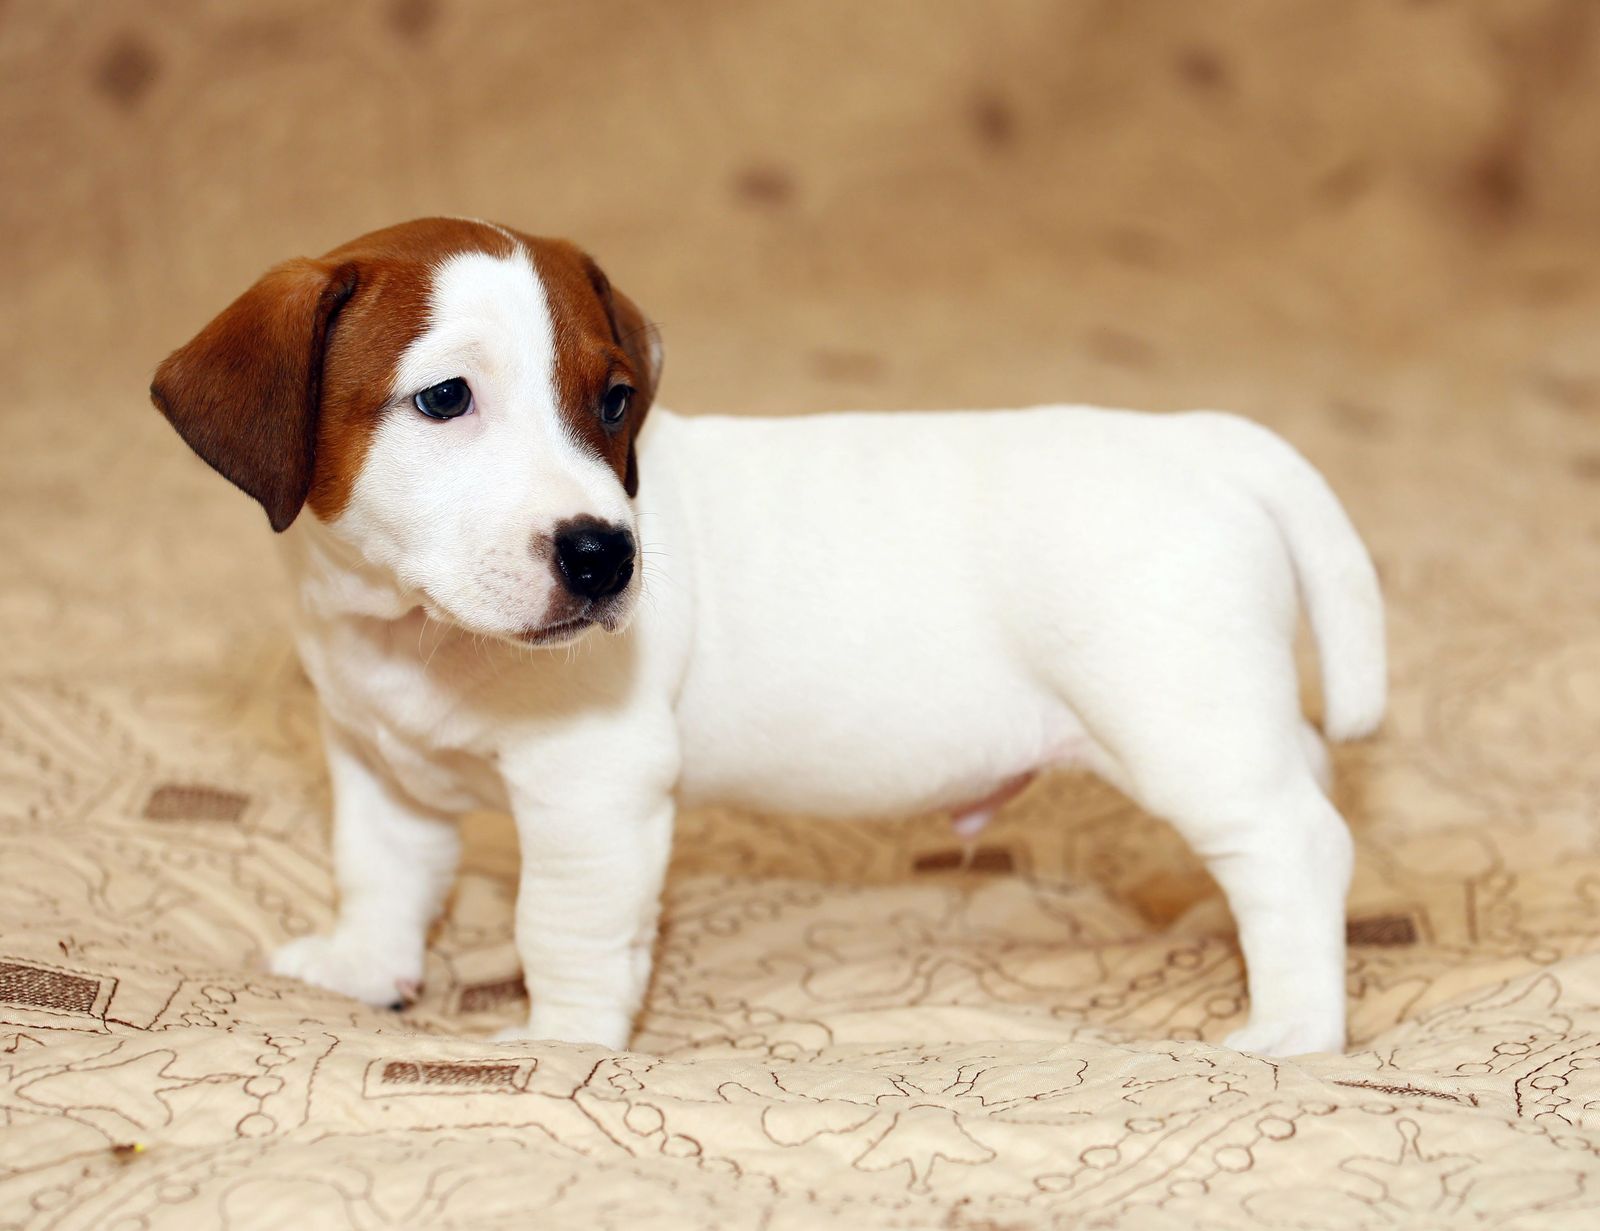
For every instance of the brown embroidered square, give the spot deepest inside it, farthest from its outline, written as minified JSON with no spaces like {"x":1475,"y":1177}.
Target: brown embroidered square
{"x":409,"y":1073}
{"x":1382,"y":930}
{"x":37,"y":987}
{"x":992,"y":859}
{"x":491,"y":995}
{"x":177,"y":802}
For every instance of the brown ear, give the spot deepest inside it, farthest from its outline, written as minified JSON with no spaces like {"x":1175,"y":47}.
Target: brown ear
{"x":244,"y":394}
{"x":640,"y":340}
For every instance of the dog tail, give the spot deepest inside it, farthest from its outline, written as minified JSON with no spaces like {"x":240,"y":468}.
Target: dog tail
{"x":1338,"y":583}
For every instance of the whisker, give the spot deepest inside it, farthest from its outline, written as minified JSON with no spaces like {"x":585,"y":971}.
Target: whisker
{"x":427,"y":661}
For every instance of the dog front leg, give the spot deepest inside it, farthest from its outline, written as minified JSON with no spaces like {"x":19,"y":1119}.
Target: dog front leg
{"x":394,"y":861}
{"x":588,"y":903}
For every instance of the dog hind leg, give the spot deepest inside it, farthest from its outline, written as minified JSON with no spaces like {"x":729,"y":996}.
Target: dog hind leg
{"x":1250,"y":805}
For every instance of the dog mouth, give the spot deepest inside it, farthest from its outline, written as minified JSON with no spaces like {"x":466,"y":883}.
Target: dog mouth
{"x":610,"y":614}
{"x":567,"y":623}
{"x":556,"y":633}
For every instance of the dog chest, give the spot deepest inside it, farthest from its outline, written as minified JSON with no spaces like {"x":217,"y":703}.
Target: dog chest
{"x":387,"y":699}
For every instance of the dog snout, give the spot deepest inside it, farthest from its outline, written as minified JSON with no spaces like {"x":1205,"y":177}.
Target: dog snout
{"x":595,"y":559}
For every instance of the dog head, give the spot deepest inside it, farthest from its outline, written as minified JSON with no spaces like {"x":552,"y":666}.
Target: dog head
{"x":457,"y":402}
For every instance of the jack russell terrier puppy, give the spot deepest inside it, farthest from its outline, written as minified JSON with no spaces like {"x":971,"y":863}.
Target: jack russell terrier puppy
{"x":516,"y":591}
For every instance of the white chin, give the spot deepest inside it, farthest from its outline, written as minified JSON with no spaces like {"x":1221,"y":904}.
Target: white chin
{"x":612,"y":615}
{"x":562,"y":632}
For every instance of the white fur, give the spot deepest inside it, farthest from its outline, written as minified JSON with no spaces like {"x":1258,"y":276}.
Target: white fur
{"x":841,"y":614}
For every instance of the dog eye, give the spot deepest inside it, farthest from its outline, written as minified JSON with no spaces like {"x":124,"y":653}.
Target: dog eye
{"x":614,"y":406}
{"x":449,"y":399}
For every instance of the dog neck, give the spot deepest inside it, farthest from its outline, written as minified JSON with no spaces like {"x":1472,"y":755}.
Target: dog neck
{"x":333,"y":581}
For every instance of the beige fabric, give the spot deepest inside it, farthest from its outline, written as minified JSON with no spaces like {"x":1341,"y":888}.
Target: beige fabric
{"x":1368,"y":224}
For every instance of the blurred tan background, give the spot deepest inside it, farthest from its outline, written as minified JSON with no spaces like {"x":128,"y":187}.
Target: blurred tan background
{"x":888,"y":203}
{"x":1380,"y":214}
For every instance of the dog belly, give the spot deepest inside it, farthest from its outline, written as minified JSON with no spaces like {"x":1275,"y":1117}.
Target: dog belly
{"x":903,"y":762}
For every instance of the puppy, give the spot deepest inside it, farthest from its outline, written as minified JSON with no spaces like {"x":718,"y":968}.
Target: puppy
{"x":519,"y":588}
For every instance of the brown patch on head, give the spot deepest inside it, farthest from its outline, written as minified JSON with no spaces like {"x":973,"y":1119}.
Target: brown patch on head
{"x":602,"y":339}
{"x":282,"y":392}
{"x":386,"y":315}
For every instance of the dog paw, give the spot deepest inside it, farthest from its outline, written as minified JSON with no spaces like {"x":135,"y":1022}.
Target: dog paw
{"x":1286,"y":1038}
{"x":355,"y":965}
{"x":572,"y":1024}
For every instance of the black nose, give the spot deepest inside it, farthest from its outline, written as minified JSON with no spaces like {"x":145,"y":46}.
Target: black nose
{"x":596,"y":560}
